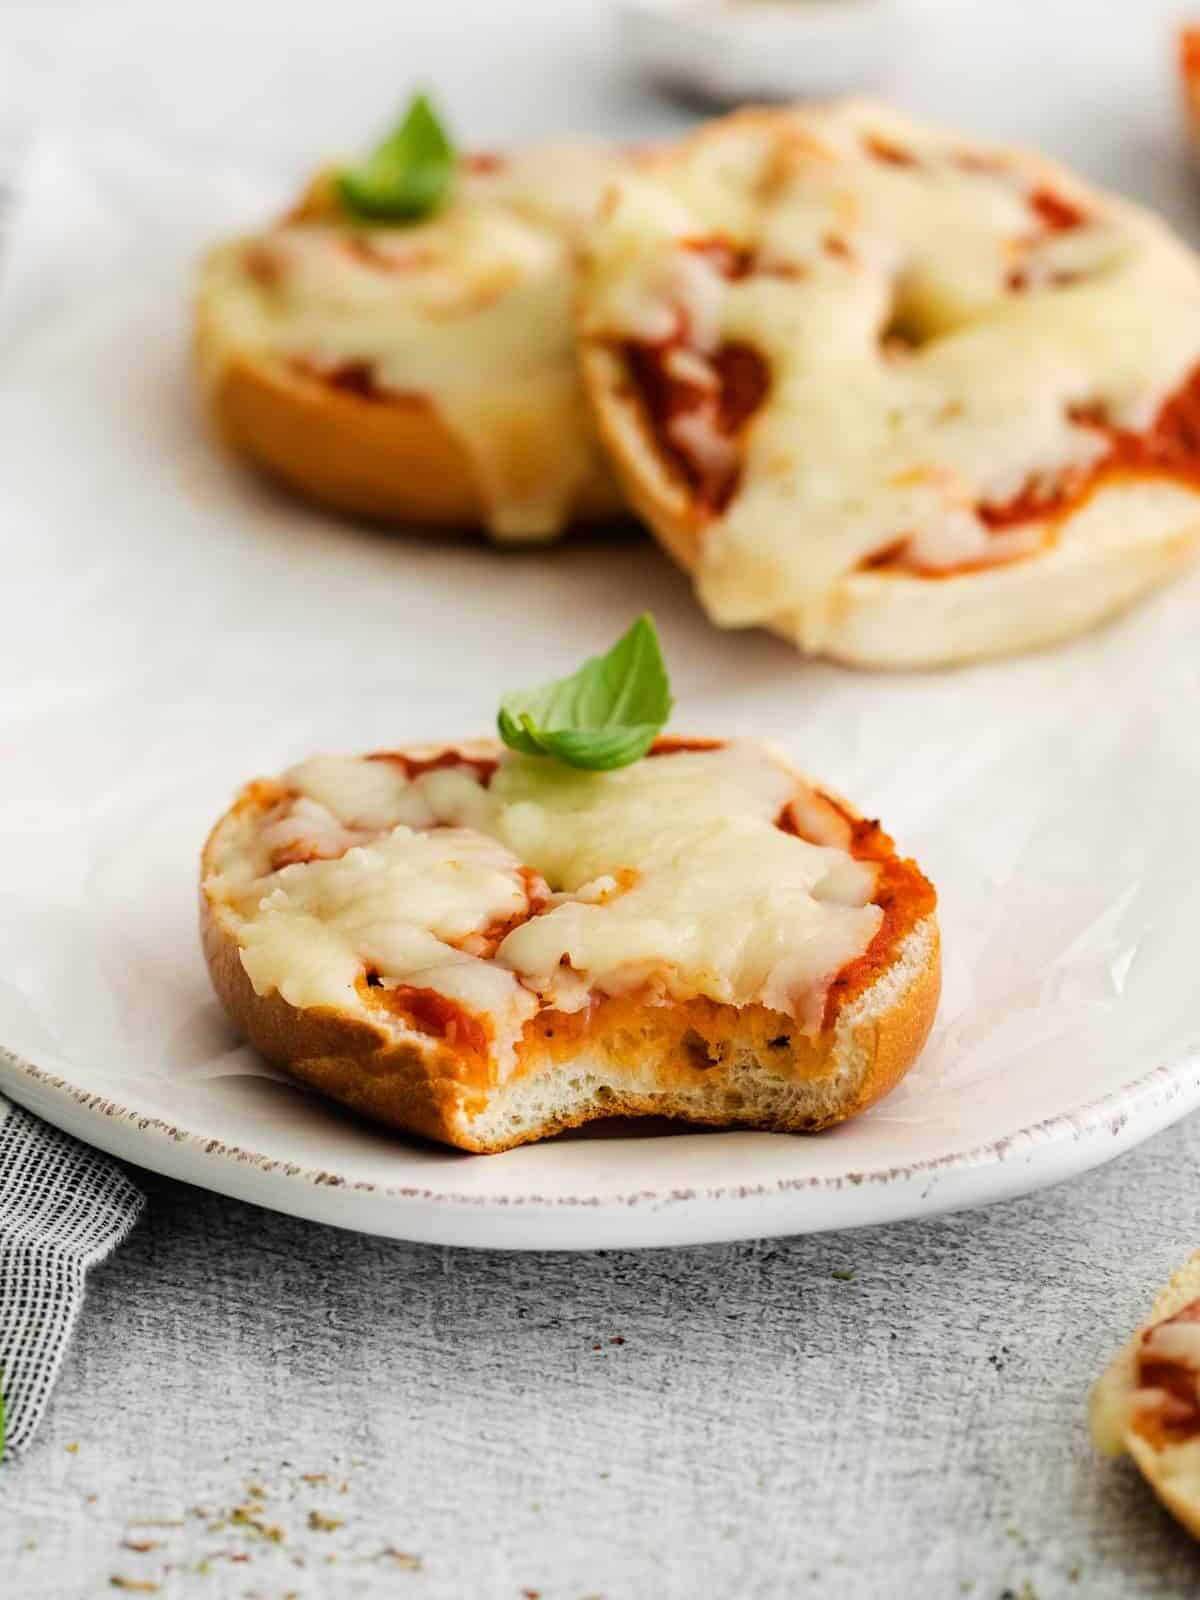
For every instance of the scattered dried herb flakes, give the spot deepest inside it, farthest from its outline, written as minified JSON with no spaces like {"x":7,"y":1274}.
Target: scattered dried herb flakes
{"x":400,"y":1558}
{"x":140,"y":1545}
{"x":73,"y":1449}
{"x":251,"y":1517}
{"x":133,"y":1585}
{"x":320,"y":1523}
{"x":843,"y":1274}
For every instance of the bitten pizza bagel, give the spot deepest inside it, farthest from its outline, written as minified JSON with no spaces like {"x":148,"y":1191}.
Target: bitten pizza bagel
{"x":486,"y":943}
{"x":413,"y":362}
{"x":902,"y":398}
{"x":1148,"y":1402}
{"x":486,"y":947}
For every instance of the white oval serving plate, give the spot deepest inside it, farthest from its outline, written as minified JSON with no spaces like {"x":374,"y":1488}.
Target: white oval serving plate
{"x":583,"y":1193}
{"x":1056,"y":827}
{"x":173,"y":628}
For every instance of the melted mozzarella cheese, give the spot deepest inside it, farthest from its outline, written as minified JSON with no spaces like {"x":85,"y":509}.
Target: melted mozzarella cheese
{"x":361,"y":794}
{"x":671,"y":872}
{"x":728,"y":910}
{"x":723,"y":903}
{"x":307,"y":830}
{"x":856,"y":447}
{"x":471,"y":310}
{"x":400,"y":906}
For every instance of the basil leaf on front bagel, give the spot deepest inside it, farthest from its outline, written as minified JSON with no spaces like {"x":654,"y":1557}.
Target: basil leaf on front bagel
{"x":605,"y":715}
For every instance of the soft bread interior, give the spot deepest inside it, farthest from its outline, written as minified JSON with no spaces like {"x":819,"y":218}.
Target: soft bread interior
{"x":650,"y":1065}
{"x":639,"y":1073}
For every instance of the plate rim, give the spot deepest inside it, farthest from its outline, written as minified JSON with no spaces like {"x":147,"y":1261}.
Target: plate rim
{"x":1172,"y":1085}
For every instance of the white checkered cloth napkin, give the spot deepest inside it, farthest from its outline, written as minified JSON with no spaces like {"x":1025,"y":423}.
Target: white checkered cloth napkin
{"x":63,"y":1207}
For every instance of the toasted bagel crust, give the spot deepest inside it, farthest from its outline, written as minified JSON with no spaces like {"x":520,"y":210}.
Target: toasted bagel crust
{"x":699,"y":1061}
{"x":391,"y":462}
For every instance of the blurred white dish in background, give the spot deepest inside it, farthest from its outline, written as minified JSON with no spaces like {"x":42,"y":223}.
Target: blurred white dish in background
{"x":733,"y":50}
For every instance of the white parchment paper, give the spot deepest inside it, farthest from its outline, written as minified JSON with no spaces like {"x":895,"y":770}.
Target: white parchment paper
{"x":173,"y":626}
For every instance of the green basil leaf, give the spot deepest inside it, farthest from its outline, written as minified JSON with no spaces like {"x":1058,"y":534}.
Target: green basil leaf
{"x":408,"y":176}
{"x":606,"y":715}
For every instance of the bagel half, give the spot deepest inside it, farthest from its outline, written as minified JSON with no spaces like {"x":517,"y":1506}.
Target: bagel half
{"x":421,"y":373}
{"x":904,"y":400}
{"x":1148,"y":1402}
{"x":487,"y":949}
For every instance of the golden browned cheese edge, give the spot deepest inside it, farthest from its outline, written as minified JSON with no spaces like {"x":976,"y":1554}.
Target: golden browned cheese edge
{"x":420,"y":1087}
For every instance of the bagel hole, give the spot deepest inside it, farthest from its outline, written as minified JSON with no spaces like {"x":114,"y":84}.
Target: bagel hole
{"x":915,"y":317}
{"x":905,"y":329}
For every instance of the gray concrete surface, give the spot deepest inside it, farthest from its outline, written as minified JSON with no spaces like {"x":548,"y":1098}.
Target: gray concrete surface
{"x":257,"y":1406}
